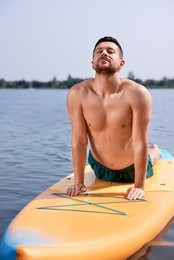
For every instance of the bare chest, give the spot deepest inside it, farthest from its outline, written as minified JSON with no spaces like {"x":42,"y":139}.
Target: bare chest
{"x":112,"y":113}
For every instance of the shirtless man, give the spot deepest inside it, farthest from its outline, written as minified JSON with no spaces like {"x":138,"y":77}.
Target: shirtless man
{"x":114,"y":114}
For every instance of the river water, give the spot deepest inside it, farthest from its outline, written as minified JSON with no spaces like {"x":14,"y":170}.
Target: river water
{"x":35,"y":149}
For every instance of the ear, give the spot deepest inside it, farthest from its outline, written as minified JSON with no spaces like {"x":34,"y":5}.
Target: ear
{"x":122,"y":63}
{"x":92,"y":63}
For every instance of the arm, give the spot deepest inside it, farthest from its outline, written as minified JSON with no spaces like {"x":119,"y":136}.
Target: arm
{"x":79,"y":140}
{"x":141,"y":111}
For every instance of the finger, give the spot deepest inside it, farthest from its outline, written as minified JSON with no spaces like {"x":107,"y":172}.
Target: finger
{"x":137,"y":195}
{"x":69,"y":194}
{"x":132,"y":195}
{"x":141,"y":195}
{"x":68,"y":191}
{"x":129,"y":193}
{"x":83,"y":188}
{"x":73,"y":191}
{"x":76,"y":190}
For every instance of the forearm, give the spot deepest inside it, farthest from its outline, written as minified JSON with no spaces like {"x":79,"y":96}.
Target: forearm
{"x":140,"y":164}
{"x":79,"y":161}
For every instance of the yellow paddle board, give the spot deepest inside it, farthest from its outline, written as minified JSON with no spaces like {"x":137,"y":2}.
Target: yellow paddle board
{"x":99,"y":224}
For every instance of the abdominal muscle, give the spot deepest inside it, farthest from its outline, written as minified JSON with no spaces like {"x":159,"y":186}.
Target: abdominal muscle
{"x":114,"y":152}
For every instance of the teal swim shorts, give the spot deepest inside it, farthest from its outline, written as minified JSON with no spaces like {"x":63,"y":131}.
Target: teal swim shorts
{"x":123,"y":175}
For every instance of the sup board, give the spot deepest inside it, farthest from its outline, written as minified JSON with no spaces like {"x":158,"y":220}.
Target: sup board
{"x":98,"y":224}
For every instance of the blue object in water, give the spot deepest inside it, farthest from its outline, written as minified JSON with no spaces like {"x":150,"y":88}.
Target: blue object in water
{"x":165,"y":154}
{"x":7,"y":250}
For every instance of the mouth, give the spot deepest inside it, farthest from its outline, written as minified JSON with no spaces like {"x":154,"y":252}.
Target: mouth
{"x":103,"y":60}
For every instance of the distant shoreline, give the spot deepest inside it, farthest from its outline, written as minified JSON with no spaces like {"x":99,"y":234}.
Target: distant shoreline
{"x":70,"y":81}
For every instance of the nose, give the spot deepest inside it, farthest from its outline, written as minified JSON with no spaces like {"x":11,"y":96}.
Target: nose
{"x":104,"y":53}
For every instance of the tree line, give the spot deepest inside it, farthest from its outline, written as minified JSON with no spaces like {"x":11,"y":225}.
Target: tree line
{"x":70,"y":81}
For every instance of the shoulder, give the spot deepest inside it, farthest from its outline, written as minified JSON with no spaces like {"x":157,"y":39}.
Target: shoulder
{"x":136,"y":93}
{"x":80,"y":88}
{"x":79,"y":91}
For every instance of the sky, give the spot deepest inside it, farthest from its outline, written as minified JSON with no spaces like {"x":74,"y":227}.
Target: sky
{"x":43,"y":39}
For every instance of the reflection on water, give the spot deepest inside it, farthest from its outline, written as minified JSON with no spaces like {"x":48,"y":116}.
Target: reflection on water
{"x":163,"y":241}
{"x":35,"y":151}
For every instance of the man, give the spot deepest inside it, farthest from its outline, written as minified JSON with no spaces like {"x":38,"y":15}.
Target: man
{"x":114,"y":114}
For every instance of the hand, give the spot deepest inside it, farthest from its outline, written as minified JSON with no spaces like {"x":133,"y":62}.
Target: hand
{"x":135,"y":193}
{"x":75,"y":189}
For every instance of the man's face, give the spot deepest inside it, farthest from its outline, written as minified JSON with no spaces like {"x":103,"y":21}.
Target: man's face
{"x":106,"y":58}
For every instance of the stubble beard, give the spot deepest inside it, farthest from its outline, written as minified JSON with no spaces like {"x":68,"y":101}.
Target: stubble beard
{"x":105,"y":70}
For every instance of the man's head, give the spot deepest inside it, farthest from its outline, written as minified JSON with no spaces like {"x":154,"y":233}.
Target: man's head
{"x":110,"y":39}
{"x":107,"y":56}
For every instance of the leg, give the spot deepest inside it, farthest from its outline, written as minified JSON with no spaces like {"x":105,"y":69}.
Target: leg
{"x":154,"y":153}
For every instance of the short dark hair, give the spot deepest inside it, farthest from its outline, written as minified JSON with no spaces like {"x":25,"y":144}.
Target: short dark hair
{"x":109,"y":39}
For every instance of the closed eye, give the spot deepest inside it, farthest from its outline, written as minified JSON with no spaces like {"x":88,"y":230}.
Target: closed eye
{"x":110,"y":50}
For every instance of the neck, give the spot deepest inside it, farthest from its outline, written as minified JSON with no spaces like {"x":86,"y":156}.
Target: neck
{"x":107,"y":84}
